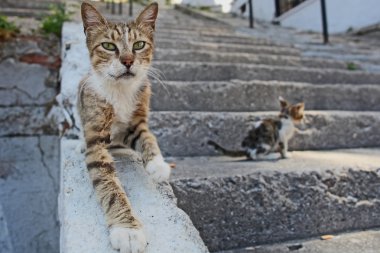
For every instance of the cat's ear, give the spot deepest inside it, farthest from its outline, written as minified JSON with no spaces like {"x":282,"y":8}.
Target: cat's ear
{"x":283,"y":102}
{"x":300,"y":107}
{"x":148,"y":16}
{"x":91,"y":17}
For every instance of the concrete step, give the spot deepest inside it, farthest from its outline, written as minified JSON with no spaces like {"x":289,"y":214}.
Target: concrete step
{"x":167,"y":228}
{"x":187,"y":133}
{"x":25,"y":121}
{"x":212,"y":38}
{"x":237,"y":204}
{"x":5,"y":239}
{"x":164,"y":43}
{"x":24,"y":12}
{"x":261,"y":96}
{"x":210,"y":71}
{"x":265,"y":59}
{"x":354,"y":242}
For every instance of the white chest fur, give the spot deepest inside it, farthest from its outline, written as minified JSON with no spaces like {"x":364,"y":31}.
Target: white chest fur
{"x":287,"y":129}
{"x":121,"y":95}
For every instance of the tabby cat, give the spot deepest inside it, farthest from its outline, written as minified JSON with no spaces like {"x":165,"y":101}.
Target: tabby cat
{"x":113,"y":103}
{"x":269,"y":135}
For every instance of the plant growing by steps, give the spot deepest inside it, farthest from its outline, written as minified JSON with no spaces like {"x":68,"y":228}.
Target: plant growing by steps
{"x":52,"y":24}
{"x":7,"y":28}
{"x":352,"y":66}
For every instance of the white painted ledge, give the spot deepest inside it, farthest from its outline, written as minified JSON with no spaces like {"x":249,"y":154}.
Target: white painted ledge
{"x":168,"y":229}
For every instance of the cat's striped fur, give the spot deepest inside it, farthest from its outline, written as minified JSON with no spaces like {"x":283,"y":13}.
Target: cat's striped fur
{"x":113,"y":103}
{"x":268,"y":135}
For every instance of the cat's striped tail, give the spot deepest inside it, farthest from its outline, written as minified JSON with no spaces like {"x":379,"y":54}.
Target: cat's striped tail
{"x":232,"y":153}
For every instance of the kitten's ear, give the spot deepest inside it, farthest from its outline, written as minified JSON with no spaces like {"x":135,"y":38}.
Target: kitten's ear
{"x":300,"y":107}
{"x":148,"y":16}
{"x":91,"y":17}
{"x":283,"y":102}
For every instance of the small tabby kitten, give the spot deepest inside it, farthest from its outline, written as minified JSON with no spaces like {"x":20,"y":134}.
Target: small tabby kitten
{"x":113,"y":103}
{"x":269,"y":135}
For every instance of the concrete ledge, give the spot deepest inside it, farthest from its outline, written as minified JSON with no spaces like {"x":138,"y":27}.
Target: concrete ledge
{"x":221,"y":96}
{"x":5,"y":239}
{"x":168,"y":229}
{"x":237,"y":204}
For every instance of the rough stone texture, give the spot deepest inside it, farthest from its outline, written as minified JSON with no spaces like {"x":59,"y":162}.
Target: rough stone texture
{"x":365,"y":242}
{"x":5,"y":242}
{"x":29,"y":187}
{"x":222,"y":96}
{"x":168,"y":229}
{"x":322,"y":130}
{"x":226,"y":37}
{"x":24,"y":121}
{"x":266,"y":59}
{"x":24,"y":84}
{"x":238,"y":204}
{"x":209,"y":71}
{"x":225,"y":47}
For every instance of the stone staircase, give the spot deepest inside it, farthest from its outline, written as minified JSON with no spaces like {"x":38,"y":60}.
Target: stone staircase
{"x":216,"y":84}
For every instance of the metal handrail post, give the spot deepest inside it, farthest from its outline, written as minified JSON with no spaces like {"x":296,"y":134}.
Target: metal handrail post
{"x":130,"y":8}
{"x":250,"y":14}
{"x":324,"y":22}
{"x":120,"y":7}
{"x":113,"y":6}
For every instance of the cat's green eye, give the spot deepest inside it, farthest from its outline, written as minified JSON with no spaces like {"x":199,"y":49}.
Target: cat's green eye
{"x":109,"y":46}
{"x":139,"y":45}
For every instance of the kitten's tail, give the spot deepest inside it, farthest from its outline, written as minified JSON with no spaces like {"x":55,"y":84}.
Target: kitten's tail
{"x":232,"y":153}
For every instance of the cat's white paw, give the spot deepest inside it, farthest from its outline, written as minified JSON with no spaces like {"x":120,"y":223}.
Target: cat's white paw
{"x":81,"y":147}
{"x":287,"y":155}
{"x":128,"y":240}
{"x":158,"y":169}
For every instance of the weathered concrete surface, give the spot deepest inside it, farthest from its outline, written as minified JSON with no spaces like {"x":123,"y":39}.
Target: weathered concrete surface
{"x":29,"y":187}
{"x":5,"y":239}
{"x":24,"y":84}
{"x":262,"y":96}
{"x":25,"y":121}
{"x":186,"y":133}
{"x":265,"y":59}
{"x":364,"y":241}
{"x":210,"y":71}
{"x":168,"y":229}
{"x":228,"y":37}
{"x":225,"y":47}
{"x":239,"y":204}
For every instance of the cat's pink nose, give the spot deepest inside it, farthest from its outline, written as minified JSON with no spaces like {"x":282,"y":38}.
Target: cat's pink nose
{"x":128,"y":63}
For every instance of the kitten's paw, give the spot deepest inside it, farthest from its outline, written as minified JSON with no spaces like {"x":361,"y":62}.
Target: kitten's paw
{"x":158,"y":169}
{"x":126,"y":154}
{"x":128,"y":240}
{"x":287,"y":155}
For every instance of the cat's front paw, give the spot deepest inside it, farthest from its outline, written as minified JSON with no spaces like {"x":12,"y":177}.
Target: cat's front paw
{"x":158,"y":169}
{"x":131,"y":240}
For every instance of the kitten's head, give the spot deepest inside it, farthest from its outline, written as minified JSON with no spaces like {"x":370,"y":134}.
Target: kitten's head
{"x":294,"y":111}
{"x":120,"y":51}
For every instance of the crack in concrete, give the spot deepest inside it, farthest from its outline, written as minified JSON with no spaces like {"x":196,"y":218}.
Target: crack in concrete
{"x":55,"y":184}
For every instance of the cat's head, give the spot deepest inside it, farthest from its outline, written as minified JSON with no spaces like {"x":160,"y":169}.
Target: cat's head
{"x":295,"y":112}
{"x":120,"y":51}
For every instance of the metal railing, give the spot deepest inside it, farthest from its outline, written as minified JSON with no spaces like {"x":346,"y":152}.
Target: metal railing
{"x":282,"y":6}
{"x":111,"y":4}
